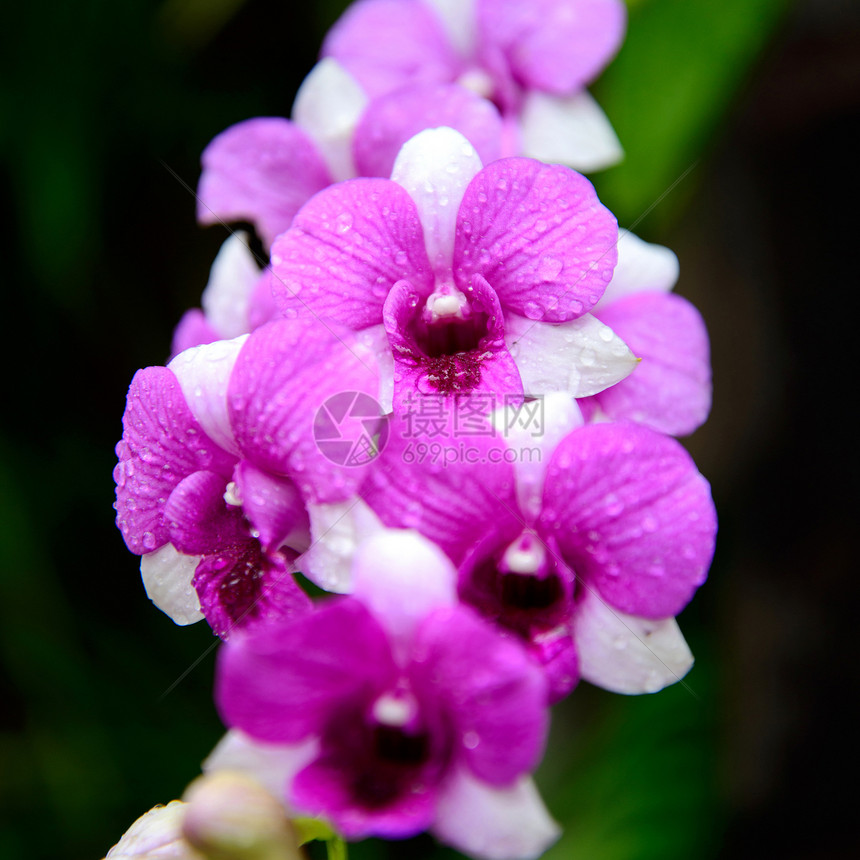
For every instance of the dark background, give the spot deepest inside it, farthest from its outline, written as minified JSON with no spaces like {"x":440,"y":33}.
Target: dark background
{"x":760,"y":100}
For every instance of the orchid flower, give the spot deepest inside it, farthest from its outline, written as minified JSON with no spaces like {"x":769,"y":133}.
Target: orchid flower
{"x":452,"y":258}
{"x":393,"y":711}
{"x":264,"y":169}
{"x":531,"y":58}
{"x":218,"y":462}
{"x":585,"y":541}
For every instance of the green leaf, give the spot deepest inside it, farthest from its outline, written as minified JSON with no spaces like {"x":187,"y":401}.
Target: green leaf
{"x":309,"y":829}
{"x":673,"y":82}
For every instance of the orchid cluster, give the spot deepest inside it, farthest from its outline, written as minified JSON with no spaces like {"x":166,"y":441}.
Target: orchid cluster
{"x":447,"y":397}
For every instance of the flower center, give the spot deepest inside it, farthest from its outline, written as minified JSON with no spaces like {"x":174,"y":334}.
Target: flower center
{"x":448,"y":325}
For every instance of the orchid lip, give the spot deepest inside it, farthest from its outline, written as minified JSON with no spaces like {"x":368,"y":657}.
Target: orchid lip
{"x":448,"y":324}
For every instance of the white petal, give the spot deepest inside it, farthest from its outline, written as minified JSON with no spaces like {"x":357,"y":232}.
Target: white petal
{"x":435,"y":167}
{"x":204,"y":373}
{"x":272,"y":765}
{"x":641,"y":266}
{"x":336,"y":531}
{"x":328,"y":106}
{"x":537,"y":425}
{"x":232,"y":279}
{"x":167,"y":575}
{"x":572,"y":131}
{"x":459,"y":20}
{"x":156,"y":834}
{"x":401,"y":577}
{"x":494,"y":823}
{"x":626,"y":653}
{"x":580,"y":357}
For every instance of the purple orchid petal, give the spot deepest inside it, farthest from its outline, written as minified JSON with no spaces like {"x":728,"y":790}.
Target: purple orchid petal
{"x":162,"y":443}
{"x":286,"y":374}
{"x":328,"y":106}
{"x":348,"y":246}
{"x":627,"y":654}
{"x":451,"y":488}
{"x":167,"y":576}
{"x":273,"y":505}
{"x":283,"y":683}
{"x":324,"y":788}
{"x":495,"y":693}
{"x":193,"y":329}
{"x":416,"y":46}
{"x":391,"y":120}
{"x":553,"y":45}
{"x":539,"y":235}
{"x":670,"y":389}
{"x":200,"y":520}
{"x":491,"y":823}
{"x":556,"y":651}
{"x":261,"y":170}
{"x":240,"y":586}
{"x":573,"y":131}
{"x":262,"y":307}
{"x":632,"y":516}
{"x":435,"y":167}
{"x":451,"y":355}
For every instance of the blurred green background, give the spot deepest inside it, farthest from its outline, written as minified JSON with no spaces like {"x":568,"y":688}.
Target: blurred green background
{"x":740,"y":122}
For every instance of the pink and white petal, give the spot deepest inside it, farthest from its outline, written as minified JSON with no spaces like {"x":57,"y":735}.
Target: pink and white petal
{"x":281,"y":403}
{"x":232,"y":280}
{"x":458,"y":19}
{"x":540,"y":237}
{"x":571,"y":130}
{"x":200,"y":520}
{"x":494,"y":823}
{"x":261,"y":170}
{"x":336,"y":531}
{"x":625,"y":653}
{"x":393,"y":119}
{"x":536,"y":427}
{"x":580,"y":357}
{"x":416,"y":45}
{"x":348,"y":246}
{"x":272,"y":504}
{"x":240,"y":587}
{"x":328,"y":106}
{"x":167,"y":575}
{"x":641,"y":266}
{"x":632,"y":516}
{"x":283,"y":683}
{"x":555,"y":650}
{"x":401,"y":577}
{"x":192,"y":329}
{"x":670,"y":390}
{"x":435,"y":167}
{"x":494,"y":692}
{"x":454,"y":499}
{"x":273,"y":765}
{"x":162,"y":443}
{"x":554,"y":45}
{"x":203,"y":373}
